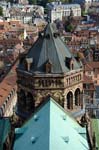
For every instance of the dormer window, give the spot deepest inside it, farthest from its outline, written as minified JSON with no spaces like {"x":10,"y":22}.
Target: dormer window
{"x":72,"y":64}
{"x":48,"y":66}
{"x":68,"y":62}
{"x":56,"y":34}
{"x":41,"y":34}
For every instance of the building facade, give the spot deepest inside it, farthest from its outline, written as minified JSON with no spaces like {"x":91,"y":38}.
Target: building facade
{"x":92,"y":71}
{"x":49,"y":68}
{"x":56,"y":10}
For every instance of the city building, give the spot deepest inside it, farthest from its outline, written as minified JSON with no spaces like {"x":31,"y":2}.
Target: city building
{"x":57,"y":10}
{"x":89,"y":90}
{"x":92,"y":70}
{"x":51,"y":128}
{"x":49,"y":68}
{"x":25,"y":13}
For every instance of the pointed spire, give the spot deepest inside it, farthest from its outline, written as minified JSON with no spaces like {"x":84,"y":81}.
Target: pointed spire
{"x":50,"y":46}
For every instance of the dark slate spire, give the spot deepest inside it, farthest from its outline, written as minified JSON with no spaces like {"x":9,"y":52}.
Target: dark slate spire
{"x":50,"y":47}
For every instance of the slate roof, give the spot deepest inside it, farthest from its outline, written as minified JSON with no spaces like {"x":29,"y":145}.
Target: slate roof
{"x":51,"y":128}
{"x":49,"y":47}
{"x":5,"y":129}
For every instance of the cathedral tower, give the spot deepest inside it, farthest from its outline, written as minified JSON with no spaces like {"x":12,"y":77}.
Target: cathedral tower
{"x":49,"y":68}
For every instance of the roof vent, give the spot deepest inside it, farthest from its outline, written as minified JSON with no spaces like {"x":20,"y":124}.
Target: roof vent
{"x":47,"y":36}
{"x":64,"y":117}
{"x":66,"y":139}
{"x":56,"y":34}
{"x":33,"y":139}
{"x":36,"y":117}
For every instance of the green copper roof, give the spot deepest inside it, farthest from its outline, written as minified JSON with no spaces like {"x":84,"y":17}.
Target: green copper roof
{"x":50,"y":47}
{"x":4,"y":130}
{"x":51,"y":128}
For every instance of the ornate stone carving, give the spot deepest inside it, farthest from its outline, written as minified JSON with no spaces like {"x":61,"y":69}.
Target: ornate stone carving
{"x":49,"y":83}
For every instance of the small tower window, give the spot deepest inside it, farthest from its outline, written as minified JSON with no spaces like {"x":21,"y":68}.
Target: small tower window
{"x":72,"y":66}
{"x":48,"y":67}
{"x":68,"y":62}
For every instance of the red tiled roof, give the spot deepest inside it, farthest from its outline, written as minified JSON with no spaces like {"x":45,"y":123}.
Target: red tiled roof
{"x":87,"y":79}
{"x":91,"y":65}
{"x":7,"y":85}
{"x":88,"y":67}
{"x":94,"y":64}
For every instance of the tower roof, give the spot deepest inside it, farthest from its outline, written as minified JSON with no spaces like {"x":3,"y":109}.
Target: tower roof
{"x":51,"y":128}
{"x":49,"y":46}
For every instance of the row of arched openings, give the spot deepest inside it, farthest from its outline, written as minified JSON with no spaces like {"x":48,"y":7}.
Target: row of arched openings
{"x":26,"y":100}
{"x":77,"y":99}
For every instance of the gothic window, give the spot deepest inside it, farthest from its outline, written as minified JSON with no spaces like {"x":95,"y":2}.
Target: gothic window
{"x":71,"y":64}
{"x":70,"y":100}
{"x":22,"y":98}
{"x":29,"y":102}
{"x":77,"y":97}
{"x":68,"y":62}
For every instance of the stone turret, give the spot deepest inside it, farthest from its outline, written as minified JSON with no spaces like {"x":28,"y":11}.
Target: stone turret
{"x":49,"y":68}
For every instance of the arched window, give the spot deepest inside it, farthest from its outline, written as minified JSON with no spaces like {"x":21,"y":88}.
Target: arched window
{"x":30,"y":104}
{"x":6,"y":101}
{"x":77,"y":97}
{"x":72,"y":64}
{"x":70,"y":100}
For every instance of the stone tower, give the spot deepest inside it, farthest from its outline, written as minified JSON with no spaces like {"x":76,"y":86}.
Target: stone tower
{"x":49,"y":68}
